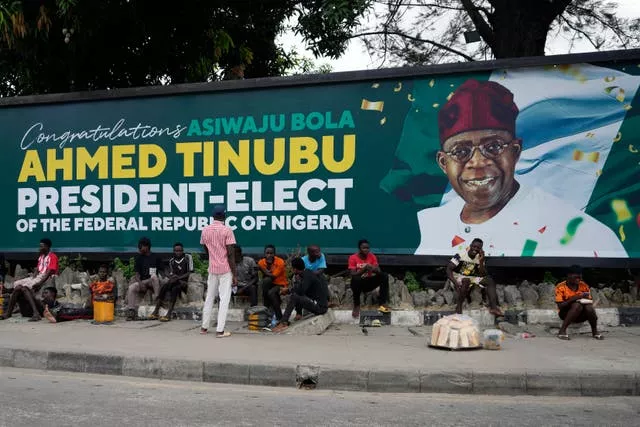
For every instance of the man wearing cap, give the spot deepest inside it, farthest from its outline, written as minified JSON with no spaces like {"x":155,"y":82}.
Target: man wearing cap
{"x":479,"y":149}
{"x":218,"y":242}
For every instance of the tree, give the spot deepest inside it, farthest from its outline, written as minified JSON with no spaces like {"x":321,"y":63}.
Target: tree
{"x":49,"y":46}
{"x":416,"y":32}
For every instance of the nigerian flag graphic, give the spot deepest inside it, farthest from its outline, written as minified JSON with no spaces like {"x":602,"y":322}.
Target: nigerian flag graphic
{"x":564,"y":184}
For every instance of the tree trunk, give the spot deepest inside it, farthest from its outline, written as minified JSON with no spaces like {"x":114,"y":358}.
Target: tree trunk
{"x":520,"y":28}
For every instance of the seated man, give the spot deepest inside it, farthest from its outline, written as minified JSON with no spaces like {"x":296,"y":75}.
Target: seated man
{"x":55,"y":312}
{"x":274,"y":270}
{"x":180,"y":267}
{"x":103,"y":287}
{"x":247,"y":274}
{"x":24,"y":289}
{"x":367,"y":276}
{"x":467,"y":269}
{"x":146,"y":278}
{"x":575,"y":305}
{"x":310,"y":292}
{"x":315,"y":261}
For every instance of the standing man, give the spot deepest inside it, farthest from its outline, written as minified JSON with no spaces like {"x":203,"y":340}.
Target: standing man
{"x":247,"y":273}
{"x":27,"y":287}
{"x":218,"y":242}
{"x":274,"y":270}
{"x":366,"y":276}
{"x":575,"y":304}
{"x":180,"y":267}
{"x":310,"y":292}
{"x":467,"y":269}
{"x":146,"y":279}
{"x":315,"y":261}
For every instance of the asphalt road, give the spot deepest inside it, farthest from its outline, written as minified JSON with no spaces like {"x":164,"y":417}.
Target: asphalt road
{"x":31,"y":398}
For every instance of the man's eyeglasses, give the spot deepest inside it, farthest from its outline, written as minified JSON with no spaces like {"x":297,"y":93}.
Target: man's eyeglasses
{"x":464,"y":151}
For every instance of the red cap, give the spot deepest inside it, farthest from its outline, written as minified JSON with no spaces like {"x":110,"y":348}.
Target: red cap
{"x":475,"y":106}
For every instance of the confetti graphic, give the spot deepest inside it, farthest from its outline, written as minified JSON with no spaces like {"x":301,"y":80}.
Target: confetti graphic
{"x":542,"y":230}
{"x":572,"y":228}
{"x":410,"y":98}
{"x":623,"y":236}
{"x":581,"y":155}
{"x":450,"y":96}
{"x":620,"y":207}
{"x":590,"y":135}
{"x":456,"y":241}
{"x":618,"y":137}
{"x":432,"y":83}
{"x":398,"y":88}
{"x":609,"y":79}
{"x":383,"y":121}
{"x":529,"y":247}
{"x":375,"y":85}
{"x":372,"y":105}
{"x":633,"y":149}
{"x":436,"y":105}
{"x":599,"y":172}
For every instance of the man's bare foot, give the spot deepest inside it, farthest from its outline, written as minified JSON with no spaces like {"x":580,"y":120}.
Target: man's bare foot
{"x":496,"y":312}
{"x":49,"y":316}
{"x":280,"y":327}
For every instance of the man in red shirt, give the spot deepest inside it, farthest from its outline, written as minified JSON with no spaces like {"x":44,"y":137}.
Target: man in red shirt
{"x":575,"y":304}
{"x":366,"y":276}
{"x":218,"y":242}
{"x":27,"y":287}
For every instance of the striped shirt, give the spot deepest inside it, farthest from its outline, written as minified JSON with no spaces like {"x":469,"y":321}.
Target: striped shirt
{"x":216,"y":237}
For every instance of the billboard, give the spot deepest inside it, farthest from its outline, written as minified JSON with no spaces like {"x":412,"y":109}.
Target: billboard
{"x":537,"y":161}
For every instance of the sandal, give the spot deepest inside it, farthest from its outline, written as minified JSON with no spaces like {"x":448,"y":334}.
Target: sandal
{"x":564,"y":337}
{"x":153,"y":317}
{"x":224,"y":334}
{"x":203,"y":331}
{"x":164,"y":319}
{"x":598,"y":337}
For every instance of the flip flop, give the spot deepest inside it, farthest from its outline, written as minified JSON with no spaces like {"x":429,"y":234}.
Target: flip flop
{"x":564,"y":337}
{"x":598,"y":337}
{"x":225,"y":334}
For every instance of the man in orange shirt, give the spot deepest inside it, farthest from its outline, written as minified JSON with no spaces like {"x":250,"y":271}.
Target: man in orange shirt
{"x":575,"y":305}
{"x":274,"y":271}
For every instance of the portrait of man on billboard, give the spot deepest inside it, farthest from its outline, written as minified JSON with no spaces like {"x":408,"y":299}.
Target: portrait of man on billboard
{"x":479,"y":150}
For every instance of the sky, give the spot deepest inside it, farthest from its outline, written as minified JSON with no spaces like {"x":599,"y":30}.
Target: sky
{"x":356,"y":57}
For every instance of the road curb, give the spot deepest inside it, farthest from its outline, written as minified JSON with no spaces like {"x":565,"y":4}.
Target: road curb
{"x":614,"y":316}
{"x":330,"y":378}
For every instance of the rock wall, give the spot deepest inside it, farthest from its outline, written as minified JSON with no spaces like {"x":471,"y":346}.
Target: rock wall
{"x":73,"y":288}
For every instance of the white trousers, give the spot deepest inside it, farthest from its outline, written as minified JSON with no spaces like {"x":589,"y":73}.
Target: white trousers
{"x":217,"y":284}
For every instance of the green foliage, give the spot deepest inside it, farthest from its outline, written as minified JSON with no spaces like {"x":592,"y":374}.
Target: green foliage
{"x":411,"y":282}
{"x":53,"y":46}
{"x":200,"y":266}
{"x":549,"y":278}
{"x":76,"y":263}
{"x":128,"y":270}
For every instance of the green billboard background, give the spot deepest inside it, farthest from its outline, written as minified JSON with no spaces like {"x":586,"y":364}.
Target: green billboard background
{"x":392,"y":123}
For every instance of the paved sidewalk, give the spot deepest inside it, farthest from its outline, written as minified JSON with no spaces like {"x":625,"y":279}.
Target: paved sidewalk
{"x":394,"y":359}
